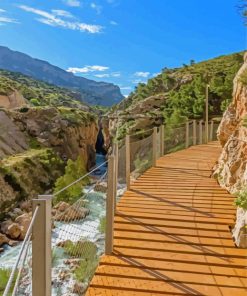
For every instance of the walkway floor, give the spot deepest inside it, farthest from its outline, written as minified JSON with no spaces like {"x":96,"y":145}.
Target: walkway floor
{"x":171,"y":234}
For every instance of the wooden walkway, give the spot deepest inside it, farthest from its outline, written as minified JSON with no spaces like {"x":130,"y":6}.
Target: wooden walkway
{"x":171,"y":234}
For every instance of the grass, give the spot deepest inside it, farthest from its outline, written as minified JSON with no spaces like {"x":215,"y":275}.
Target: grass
{"x":4,"y":277}
{"x":102,"y":225}
{"x":86,"y":251}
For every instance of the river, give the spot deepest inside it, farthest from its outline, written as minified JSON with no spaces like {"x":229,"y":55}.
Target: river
{"x":87,"y":228}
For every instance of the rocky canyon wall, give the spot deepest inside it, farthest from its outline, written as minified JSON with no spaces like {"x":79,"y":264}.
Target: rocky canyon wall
{"x":34,"y":146}
{"x":231,"y":169}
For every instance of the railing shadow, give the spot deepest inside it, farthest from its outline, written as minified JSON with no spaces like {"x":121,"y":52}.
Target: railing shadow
{"x":173,"y":203}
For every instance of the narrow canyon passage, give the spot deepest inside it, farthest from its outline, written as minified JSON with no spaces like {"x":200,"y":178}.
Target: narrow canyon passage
{"x":171,"y":233}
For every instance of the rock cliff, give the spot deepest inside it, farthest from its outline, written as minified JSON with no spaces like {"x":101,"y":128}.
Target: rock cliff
{"x":231,"y":169}
{"x":34,"y":146}
{"x":14,"y":100}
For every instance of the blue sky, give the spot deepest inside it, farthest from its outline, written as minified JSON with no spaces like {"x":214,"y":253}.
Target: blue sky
{"x":121,"y":41}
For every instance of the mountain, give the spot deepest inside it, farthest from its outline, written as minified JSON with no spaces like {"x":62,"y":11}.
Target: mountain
{"x":17,"y":90}
{"x":92,"y":92}
{"x":177,"y":94}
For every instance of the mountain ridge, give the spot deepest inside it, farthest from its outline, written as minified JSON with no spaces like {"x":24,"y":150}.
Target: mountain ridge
{"x":92,"y":92}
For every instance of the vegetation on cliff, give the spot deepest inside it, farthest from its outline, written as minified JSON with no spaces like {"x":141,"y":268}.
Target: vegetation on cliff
{"x":73,"y":171}
{"x":183,"y":89}
{"x":37,"y":92}
{"x":30,"y":173}
{"x":241,"y":200}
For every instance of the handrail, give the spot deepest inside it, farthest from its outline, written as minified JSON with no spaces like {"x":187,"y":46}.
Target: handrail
{"x":141,"y":132}
{"x":78,"y":180}
{"x":21,"y":267}
{"x":11,"y":278}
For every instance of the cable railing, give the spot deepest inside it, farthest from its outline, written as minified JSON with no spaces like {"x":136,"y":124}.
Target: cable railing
{"x":68,"y":239}
{"x":79,"y":237}
{"x":74,"y":229}
{"x":21,"y":258}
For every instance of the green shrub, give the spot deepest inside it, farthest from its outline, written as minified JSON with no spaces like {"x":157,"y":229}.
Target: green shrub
{"x":73,"y":171}
{"x":87,"y":252}
{"x":81,"y":249}
{"x":86,"y":269}
{"x":24,"y":109}
{"x":241,"y":200}
{"x":4,"y":277}
{"x":102,"y":225}
{"x":34,"y":143}
{"x":35,"y":102}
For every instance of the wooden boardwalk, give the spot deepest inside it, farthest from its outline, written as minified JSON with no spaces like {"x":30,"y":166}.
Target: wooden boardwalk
{"x":171,"y":234}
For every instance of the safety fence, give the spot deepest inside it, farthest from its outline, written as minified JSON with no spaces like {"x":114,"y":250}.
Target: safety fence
{"x":140,"y":150}
{"x":64,"y":241}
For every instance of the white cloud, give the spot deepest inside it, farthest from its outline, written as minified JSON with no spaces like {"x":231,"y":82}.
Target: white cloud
{"x":63,"y":13}
{"x":115,"y":74}
{"x":52,"y":19}
{"x":113,"y":23}
{"x":87,"y":69}
{"x":72,"y":3}
{"x":142,"y":74}
{"x":96,"y":7}
{"x":102,"y":75}
{"x":6,"y":20}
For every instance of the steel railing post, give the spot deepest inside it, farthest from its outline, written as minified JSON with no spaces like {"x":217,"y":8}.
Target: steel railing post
{"x":187,"y":134}
{"x":155,"y":132}
{"x":194,"y":132}
{"x":41,"y":247}
{"x":127,"y":159}
{"x":162,"y":140}
{"x":110,"y":207}
{"x":200,"y":132}
{"x":211,"y":130}
{"x":115,"y":173}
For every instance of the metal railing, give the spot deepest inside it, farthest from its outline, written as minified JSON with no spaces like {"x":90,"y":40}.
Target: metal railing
{"x":138,"y":152}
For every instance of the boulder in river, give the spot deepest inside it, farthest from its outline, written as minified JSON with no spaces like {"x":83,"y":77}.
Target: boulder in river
{"x":3,"y":239}
{"x":11,"y":229}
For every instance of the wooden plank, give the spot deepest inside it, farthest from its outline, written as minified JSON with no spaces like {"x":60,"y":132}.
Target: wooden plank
{"x":171,"y":233}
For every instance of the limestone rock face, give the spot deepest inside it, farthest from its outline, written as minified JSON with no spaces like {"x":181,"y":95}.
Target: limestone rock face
{"x":141,"y":115}
{"x":69,"y":136}
{"x":232,"y":134}
{"x":13,"y":100}
{"x":231,"y":169}
{"x":8,"y":195}
{"x":34,"y":145}
{"x":12,"y":139}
